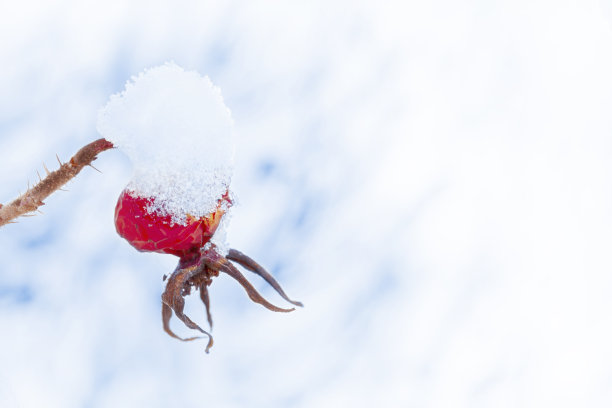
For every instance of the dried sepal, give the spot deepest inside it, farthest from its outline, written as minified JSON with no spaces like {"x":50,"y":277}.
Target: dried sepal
{"x":249,"y":264}
{"x":173,"y":300}
{"x":199,"y":275}
{"x":204,"y":296}
{"x":217,"y":262}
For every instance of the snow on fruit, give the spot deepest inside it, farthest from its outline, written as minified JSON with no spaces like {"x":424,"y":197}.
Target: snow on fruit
{"x":177,"y":131}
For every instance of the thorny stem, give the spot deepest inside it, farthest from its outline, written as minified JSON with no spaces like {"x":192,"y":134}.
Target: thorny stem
{"x":33,"y":198}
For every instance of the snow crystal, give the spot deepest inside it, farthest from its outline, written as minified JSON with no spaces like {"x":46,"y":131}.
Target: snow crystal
{"x":177,"y":131}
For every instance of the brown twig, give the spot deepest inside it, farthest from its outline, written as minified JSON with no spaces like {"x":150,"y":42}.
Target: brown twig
{"x":33,"y":198}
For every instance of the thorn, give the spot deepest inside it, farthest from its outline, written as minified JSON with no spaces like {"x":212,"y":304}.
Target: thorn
{"x":29,"y":215}
{"x":28,"y":184}
{"x":58,"y":160}
{"x":91,"y":165}
{"x":39,"y":211}
{"x":39,"y":179}
{"x":46,"y":169}
{"x":62,"y":189}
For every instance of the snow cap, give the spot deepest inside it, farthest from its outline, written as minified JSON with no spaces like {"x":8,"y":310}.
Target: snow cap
{"x":177,"y":131}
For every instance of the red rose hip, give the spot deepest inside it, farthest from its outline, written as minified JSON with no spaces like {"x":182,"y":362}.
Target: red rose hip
{"x":150,"y":232}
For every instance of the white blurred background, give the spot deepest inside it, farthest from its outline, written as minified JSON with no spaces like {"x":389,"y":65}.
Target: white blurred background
{"x":432,"y":180}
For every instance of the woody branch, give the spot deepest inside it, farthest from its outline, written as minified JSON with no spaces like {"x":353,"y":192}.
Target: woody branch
{"x":34,"y":197}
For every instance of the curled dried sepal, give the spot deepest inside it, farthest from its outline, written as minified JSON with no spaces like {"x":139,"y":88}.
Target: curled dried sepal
{"x":173,"y":300}
{"x":206,"y":300}
{"x":251,"y":265}
{"x":217,"y":262}
{"x":34,"y":197}
{"x":200,"y":276}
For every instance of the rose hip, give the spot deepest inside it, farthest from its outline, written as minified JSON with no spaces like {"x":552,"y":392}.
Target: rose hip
{"x":150,"y":232}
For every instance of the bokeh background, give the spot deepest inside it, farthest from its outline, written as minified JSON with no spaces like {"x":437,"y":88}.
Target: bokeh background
{"x":432,"y":179}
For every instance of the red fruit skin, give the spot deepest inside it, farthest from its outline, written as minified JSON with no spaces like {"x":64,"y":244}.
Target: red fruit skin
{"x":153,"y":233}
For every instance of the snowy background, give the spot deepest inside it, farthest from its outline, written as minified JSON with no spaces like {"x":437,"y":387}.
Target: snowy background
{"x":432,"y":179}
